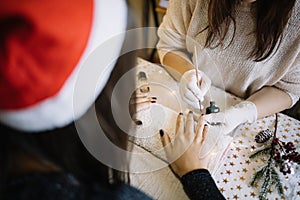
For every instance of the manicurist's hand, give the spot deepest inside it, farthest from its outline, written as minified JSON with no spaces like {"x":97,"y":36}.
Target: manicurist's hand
{"x":190,"y":90}
{"x":240,"y":113}
{"x":184,"y":152}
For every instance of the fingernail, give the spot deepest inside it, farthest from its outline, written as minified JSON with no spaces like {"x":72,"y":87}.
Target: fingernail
{"x":161,"y":132}
{"x":153,"y":97}
{"x":153,"y":101}
{"x":180,"y":113}
{"x":205,"y":124}
{"x":138,"y":122}
{"x":202,"y":114}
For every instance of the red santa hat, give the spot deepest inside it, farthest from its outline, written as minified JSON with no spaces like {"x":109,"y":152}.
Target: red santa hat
{"x":43,"y":44}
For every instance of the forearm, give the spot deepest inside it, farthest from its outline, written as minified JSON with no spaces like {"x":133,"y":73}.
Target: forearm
{"x":270,"y":100}
{"x":199,"y":185}
{"x":176,"y":65}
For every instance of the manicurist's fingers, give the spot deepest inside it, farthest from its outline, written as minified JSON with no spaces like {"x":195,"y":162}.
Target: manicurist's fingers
{"x":191,"y":96}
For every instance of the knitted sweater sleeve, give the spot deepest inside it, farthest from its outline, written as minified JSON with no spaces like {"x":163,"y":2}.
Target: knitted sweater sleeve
{"x":290,"y":82}
{"x":172,"y":31}
{"x":199,"y":184}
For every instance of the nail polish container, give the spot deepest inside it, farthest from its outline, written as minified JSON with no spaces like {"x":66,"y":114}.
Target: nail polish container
{"x":212,"y":108}
{"x":143,"y":82}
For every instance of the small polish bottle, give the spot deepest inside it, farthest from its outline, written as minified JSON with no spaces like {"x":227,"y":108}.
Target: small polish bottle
{"x":212,"y":108}
{"x":143,"y":82}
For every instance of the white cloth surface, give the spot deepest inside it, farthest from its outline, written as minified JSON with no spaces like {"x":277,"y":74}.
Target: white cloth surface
{"x":233,"y":173}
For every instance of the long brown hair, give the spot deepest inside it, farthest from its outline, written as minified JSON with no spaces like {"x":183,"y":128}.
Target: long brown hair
{"x":271,"y":19}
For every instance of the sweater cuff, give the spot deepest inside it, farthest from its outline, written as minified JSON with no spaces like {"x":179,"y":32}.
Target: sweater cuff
{"x":193,"y":173}
{"x":294,"y":98}
{"x":198,"y":184}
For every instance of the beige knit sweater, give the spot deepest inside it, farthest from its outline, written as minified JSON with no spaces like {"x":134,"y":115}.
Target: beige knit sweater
{"x":230,"y":68}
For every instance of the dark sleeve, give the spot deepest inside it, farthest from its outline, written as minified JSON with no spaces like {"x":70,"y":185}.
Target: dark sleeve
{"x":63,"y":186}
{"x":199,"y":184}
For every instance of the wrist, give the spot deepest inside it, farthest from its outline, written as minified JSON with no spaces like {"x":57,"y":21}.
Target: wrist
{"x":197,"y":164}
{"x":176,"y":63}
{"x":243,"y":112}
{"x":247,"y":110}
{"x":195,"y":171}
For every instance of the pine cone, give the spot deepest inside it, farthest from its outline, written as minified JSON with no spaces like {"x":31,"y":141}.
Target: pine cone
{"x":263,"y":136}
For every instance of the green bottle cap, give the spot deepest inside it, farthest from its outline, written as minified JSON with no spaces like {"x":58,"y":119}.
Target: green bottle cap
{"x":212,"y":108}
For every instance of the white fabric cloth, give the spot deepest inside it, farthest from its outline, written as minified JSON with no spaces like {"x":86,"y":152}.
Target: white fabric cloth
{"x":230,"y":68}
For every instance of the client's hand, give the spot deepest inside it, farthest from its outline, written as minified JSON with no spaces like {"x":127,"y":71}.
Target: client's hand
{"x":137,"y":103}
{"x":185,"y":149}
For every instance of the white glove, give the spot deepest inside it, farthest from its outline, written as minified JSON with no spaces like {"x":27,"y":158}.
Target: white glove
{"x":189,"y":90}
{"x":243,"y":112}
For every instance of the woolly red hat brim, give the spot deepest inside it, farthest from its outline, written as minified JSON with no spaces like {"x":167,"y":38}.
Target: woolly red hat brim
{"x":38,"y":48}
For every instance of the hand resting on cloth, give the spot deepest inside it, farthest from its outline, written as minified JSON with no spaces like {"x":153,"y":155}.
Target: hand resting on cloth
{"x":199,"y":141}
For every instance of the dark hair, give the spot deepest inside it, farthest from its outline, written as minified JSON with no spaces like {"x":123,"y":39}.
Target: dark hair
{"x":271,"y":19}
{"x":63,"y":146}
